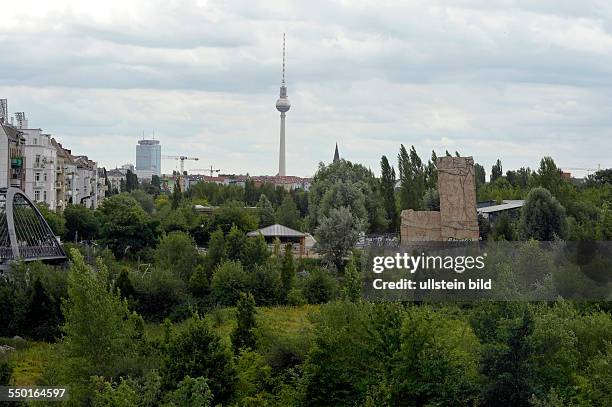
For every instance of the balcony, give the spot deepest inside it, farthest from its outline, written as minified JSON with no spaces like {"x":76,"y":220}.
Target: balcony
{"x":39,"y":184}
{"x":38,"y":165}
{"x":16,"y":162}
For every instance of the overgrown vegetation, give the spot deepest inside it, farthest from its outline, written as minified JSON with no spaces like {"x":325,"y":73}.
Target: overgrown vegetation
{"x":162,"y":305}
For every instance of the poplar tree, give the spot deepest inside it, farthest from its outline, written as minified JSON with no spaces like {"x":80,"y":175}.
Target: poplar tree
{"x":387,"y":188}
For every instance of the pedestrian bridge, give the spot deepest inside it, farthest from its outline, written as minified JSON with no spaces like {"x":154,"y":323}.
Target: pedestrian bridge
{"x":24,"y":233}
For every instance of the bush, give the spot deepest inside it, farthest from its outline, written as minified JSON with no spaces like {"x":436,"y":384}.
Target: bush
{"x":228,"y":281}
{"x":296,"y":297}
{"x":319,"y":287}
{"x":157,"y":292}
{"x":6,"y":371}
{"x":199,"y":352}
{"x":190,"y":393}
{"x":265,"y":284}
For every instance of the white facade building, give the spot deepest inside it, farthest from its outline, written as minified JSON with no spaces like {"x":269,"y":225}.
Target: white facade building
{"x":87,"y":182}
{"x":46,"y":171}
{"x":39,"y":159}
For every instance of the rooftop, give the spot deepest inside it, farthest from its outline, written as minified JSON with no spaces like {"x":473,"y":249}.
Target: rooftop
{"x":506,"y":205}
{"x":276,"y":230}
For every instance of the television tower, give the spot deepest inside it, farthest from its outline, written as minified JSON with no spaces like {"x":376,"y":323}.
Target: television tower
{"x":282,"y":105}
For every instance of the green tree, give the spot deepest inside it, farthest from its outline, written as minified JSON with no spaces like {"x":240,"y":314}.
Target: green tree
{"x":542,"y":216}
{"x":145,"y":200}
{"x":156,"y":184}
{"x":496,"y":171}
{"x":287,"y":271}
{"x":431,"y":200}
{"x":267,"y":216}
{"x":604,"y":229}
{"x":216,"y":250}
{"x":431,"y":172}
{"x":255,"y":252}
{"x":337,"y":235}
{"x":177,"y":195}
{"x":124,"y":394}
{"x":190,"y":393}
{"x":124,"y":284}
{"x":412,"y":178}
{"x":479,"y":175}
{"x":288,"y":214}
{"x":234,"y":213}
{"x":242,"y":336}
{"x":600,"y":177}
{"x":126,"y":227}
{"x":131,"y":181}
{"x":265,"y":284}
{"x":227,"y":282}
{"x":351,"y":286}
{"x":503,"y":229}
{"x":43,"y":316}
{"x":56,"y":221}
{"x":387,"y":188}
{"x":177,"y":252}
{"x":198,"y":352}
{"x":235,"y":242}
{"x":100,"y":334}
{"x":351,"y":185}
{"x":199,"y":282}
{"x":319,"y":287}
{"x":507,"y":364}
{"x":81,"y":223}
{"x":436,"y":363}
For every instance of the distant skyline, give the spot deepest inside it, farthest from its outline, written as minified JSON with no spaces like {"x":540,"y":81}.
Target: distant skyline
{"x":514,"y":80}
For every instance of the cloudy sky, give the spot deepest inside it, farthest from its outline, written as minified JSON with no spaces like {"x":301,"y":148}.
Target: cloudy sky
{"x":508,"y":79}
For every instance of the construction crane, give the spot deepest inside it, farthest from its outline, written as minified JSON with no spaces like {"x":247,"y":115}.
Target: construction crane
{"x":211,"y":170}
{"x":181,"y":158}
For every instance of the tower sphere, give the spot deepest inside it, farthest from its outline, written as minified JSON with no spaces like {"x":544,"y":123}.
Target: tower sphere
{"x":283,"y":105}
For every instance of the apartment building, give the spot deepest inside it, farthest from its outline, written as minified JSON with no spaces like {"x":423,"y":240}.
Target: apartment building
{"x":12,"y":144}
{"x":40,"y":176}
{"x":47,"y":172}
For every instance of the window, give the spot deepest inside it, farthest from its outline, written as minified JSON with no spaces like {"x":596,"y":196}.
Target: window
{"x":37,"y":196}
{"x":45,"y":196}
{"x":37,"y":176}
{"x":35,"y":141}
{"x":45,"y":177}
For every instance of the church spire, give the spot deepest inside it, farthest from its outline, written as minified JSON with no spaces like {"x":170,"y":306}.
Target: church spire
{"x":336,"y":154}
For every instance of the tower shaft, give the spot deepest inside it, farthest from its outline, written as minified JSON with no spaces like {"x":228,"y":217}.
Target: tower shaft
{"x":281,"y":152}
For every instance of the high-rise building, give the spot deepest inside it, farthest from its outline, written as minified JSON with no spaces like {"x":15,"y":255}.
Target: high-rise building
{"x":148,"y":158}
{"x":282,"y":105}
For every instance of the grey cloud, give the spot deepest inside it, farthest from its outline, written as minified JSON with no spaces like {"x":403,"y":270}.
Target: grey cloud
{"x":510,"y":79}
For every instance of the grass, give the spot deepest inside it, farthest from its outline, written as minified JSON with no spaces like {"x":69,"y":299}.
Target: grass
{"x":285,"y":320}
{"x":29,"y":357}
{"x":28,"y":360}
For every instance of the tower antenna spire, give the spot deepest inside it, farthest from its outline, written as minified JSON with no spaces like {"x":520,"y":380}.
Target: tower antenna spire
{"x":283,"y":59}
